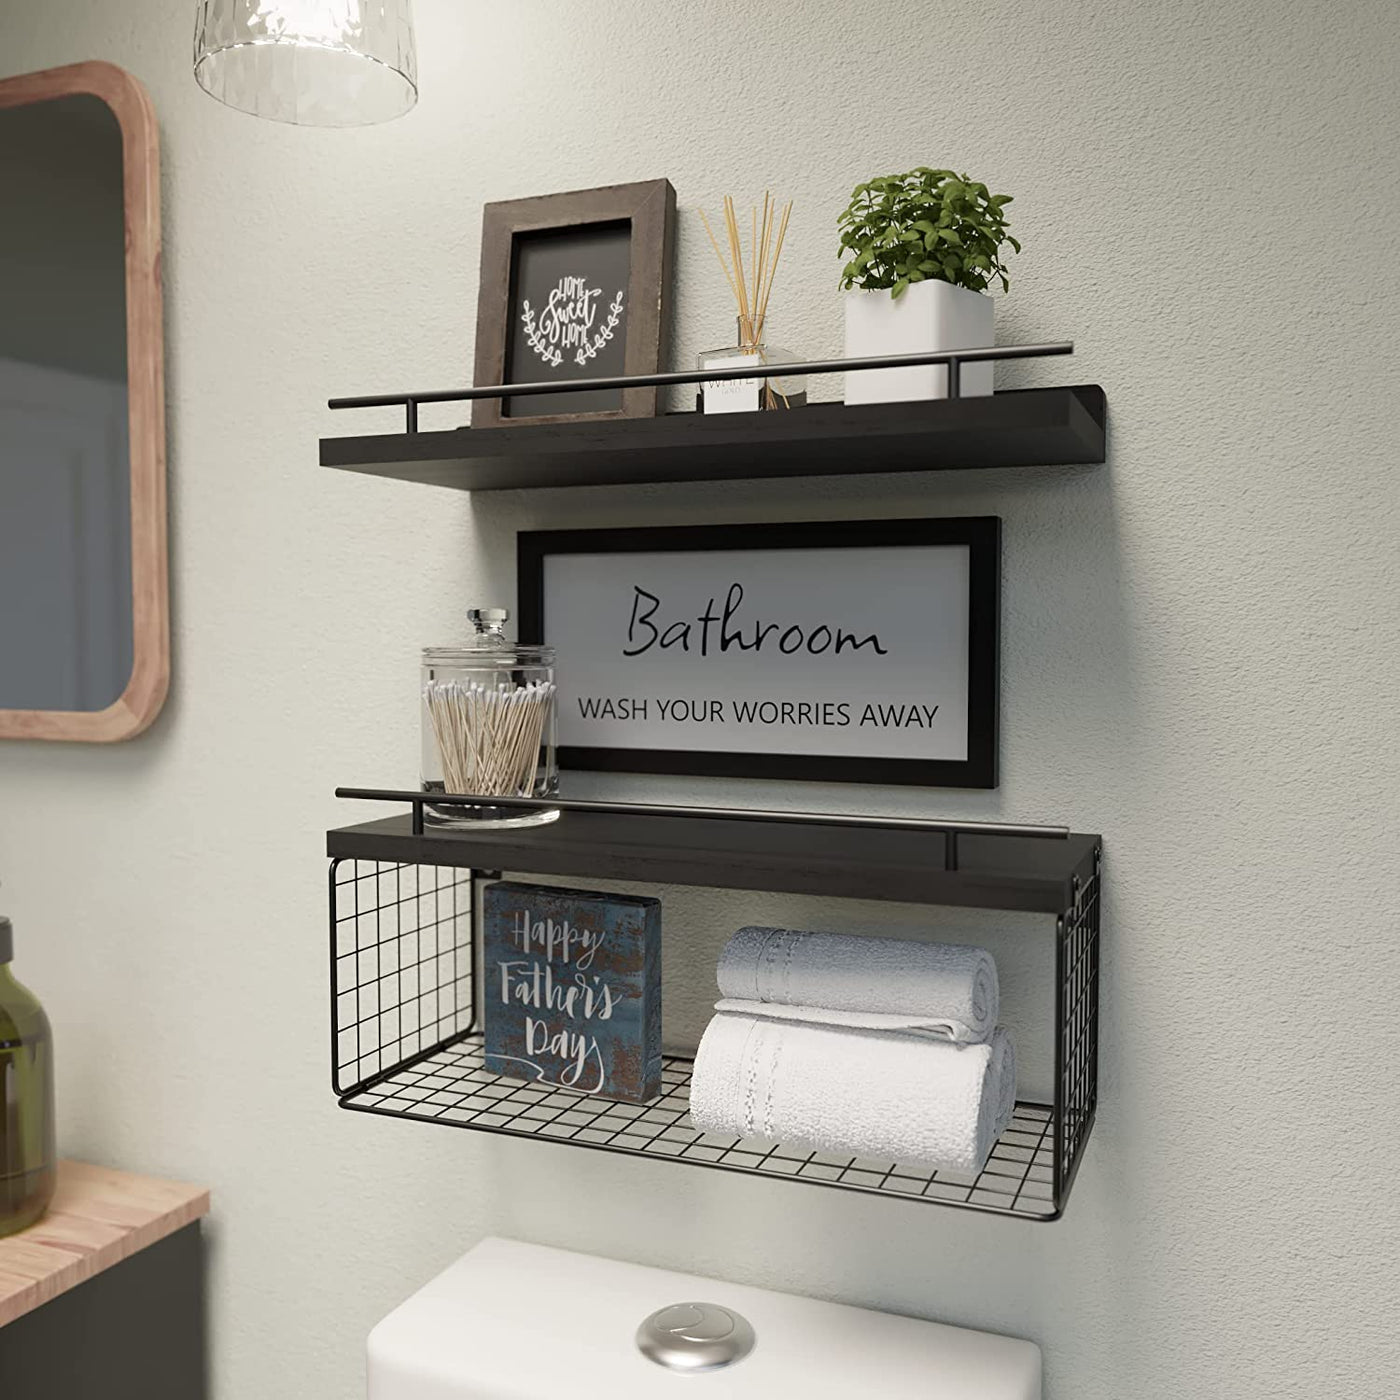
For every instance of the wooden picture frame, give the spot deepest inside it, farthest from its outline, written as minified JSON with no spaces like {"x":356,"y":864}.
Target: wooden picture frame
{"x":645,"y":213}
{"x":942,"y":645}
{"x":145,"y":691}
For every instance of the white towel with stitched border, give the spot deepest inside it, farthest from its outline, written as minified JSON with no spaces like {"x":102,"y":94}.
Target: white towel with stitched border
{"x":939,"y":988}
{"x":872,"y":1094}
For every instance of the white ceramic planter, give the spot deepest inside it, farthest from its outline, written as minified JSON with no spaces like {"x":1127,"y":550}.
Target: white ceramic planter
{"x":929,"y":316}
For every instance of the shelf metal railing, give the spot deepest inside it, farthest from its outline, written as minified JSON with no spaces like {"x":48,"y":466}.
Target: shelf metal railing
{"x":954,"y":359}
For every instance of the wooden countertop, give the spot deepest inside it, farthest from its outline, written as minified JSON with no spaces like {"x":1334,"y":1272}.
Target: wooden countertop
{"x":98,"y":1218}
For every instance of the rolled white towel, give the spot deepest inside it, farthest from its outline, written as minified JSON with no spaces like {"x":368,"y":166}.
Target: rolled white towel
{"x":950,"y":989}
{"x":871,"y":1094}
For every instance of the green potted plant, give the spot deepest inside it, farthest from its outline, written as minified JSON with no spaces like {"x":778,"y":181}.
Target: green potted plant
{"x":922,"y":249}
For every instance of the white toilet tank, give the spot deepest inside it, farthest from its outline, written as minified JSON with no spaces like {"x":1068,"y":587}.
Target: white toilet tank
{"x":511,"y":1321}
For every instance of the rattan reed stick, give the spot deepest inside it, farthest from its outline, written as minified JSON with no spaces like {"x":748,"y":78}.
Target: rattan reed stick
{"x":752,"y":285}
{"x":772,"y":268}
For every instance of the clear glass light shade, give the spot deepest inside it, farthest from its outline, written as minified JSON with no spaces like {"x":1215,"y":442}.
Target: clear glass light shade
{"x":311,"y":62}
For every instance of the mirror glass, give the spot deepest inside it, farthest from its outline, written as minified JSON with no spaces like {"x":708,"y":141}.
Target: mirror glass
{"x":66,"y":619}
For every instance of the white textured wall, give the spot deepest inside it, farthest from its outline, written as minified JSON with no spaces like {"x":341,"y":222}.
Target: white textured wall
{"x":1200,"y":657}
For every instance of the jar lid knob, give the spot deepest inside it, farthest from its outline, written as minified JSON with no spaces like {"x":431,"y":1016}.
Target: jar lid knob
{"x":488,"y":619}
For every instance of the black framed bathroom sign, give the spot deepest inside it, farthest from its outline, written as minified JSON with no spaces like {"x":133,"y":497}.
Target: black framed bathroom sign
{"x":862,"y":651}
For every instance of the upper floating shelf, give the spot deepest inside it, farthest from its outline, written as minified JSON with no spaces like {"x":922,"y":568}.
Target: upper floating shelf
{"x":1022,"y":428}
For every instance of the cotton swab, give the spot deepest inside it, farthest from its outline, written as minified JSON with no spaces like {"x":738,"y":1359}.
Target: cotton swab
{"x":488,"y":740}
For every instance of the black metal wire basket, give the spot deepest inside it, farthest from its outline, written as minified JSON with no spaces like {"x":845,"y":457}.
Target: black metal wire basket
{"x":405,"y":1038}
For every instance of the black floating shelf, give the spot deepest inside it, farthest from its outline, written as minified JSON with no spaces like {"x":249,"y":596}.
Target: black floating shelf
{"x":993,"y":871}
{"x":1020,"y":428}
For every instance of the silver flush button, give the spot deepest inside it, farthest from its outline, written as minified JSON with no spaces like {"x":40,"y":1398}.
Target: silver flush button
{"x":695,"y":1337}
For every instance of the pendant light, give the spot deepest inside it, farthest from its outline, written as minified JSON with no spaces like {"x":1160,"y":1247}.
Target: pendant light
{"x":310,"y":62}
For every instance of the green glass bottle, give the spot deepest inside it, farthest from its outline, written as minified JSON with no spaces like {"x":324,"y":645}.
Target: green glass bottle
{"x":28,"y":1162}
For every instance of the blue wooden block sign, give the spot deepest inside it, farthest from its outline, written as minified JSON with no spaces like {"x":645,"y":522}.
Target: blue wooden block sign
{"x":572,"y":990}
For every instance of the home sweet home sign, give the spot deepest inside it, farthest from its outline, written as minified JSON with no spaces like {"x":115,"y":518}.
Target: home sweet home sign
{"x":574,"y":287}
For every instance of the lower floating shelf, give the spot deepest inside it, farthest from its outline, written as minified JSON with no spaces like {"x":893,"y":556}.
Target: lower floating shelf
{"x":405,"y":1038}
{"x":454,"y":1086}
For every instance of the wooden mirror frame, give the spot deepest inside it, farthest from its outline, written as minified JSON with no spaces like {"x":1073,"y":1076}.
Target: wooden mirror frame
{"x":146,"y":689}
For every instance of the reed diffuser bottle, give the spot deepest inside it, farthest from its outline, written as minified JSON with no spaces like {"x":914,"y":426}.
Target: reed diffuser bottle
{"x":28,"y":1162}
{"x":751,"y":284}
{"x":489,"y":726}
{"x":748,"y":395}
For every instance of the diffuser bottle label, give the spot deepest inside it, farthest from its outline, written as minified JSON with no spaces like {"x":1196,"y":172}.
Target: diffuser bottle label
{"x":732,"y":395}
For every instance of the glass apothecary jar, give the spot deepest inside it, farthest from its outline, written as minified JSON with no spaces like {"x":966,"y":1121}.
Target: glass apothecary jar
{"x":488,"y":716}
